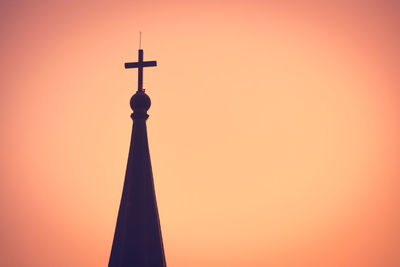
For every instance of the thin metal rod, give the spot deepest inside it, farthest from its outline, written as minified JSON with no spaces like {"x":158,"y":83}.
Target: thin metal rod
{"x":140,"y":40}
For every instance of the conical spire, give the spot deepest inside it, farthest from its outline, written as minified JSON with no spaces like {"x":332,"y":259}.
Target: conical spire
{"x":137,"y":240}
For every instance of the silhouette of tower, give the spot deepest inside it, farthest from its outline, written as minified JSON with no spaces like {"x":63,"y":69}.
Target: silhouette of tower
{"x":137,"y":239}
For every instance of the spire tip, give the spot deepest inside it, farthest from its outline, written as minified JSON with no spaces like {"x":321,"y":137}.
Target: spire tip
{"x":140,"y":40}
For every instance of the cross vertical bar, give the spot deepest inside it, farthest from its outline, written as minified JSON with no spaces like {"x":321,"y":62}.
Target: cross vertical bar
{"x":140,"y":71}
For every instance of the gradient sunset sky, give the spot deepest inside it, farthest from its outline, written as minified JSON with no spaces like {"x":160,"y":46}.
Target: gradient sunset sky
{"x":274,"y":130}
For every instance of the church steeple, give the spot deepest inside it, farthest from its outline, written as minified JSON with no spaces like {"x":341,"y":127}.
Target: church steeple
{"x":137,"y":239}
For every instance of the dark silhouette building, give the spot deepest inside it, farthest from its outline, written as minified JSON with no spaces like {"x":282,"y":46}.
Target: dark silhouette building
{"x":137,"y":239}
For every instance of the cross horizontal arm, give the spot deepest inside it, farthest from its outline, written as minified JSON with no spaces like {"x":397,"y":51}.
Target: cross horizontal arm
{"x":130,"y":65}
{"x":149,"y":63}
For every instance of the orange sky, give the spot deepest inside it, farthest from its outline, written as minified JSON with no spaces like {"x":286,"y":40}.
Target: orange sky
{"x":274,"y":131}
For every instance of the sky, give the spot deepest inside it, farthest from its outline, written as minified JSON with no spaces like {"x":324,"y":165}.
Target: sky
{"x":273,"y":132}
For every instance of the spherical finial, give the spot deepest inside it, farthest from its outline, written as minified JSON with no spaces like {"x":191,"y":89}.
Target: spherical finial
{"x":140,"y":102}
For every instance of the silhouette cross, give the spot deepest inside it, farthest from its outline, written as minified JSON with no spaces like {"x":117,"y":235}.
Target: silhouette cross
{"x":140,"y":65}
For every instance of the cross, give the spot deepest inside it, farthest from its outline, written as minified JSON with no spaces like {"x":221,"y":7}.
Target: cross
{"x":140,"y":65}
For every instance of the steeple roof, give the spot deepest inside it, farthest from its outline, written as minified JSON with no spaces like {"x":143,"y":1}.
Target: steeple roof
{"x":137,"y":239}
